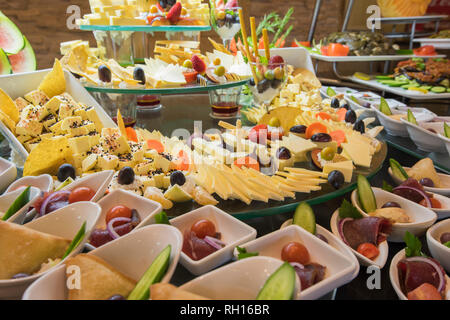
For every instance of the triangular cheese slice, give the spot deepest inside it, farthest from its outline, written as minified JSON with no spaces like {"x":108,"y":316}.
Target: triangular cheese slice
{"x":99,"y":280}
{"x":24,"y":250}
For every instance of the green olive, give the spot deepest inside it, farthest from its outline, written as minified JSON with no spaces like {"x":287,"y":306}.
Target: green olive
{"x":274,"y":122}
{"x":327,"y":154}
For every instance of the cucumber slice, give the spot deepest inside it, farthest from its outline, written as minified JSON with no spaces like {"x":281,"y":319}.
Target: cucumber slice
{"x":426,"y":87}
{"x":18,"y":204}
{"x":305,"y":218}
{"x":394,"y":83}
{"x":446,"y":130}
{"x":384,"y":107}
{"x":153,"y":275}
{"x":383,"y":77}
{"x":397,"y":169}
{"x":411,"y":117}
{"x":438,"y":89}
{"x":66,"y":182}
{"x":280,"y":285}
{"x":365,"y":195}
{"x":331,"y":92}
{"x":5,"y":64}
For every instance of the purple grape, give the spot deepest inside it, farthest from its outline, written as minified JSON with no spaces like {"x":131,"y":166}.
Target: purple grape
{"x":321,"y":137}
{"x":283,"y":153}
{"x":427,"y":182}
{"x":116,"y":297}
{"x":20,"y":276}
{"x":321,"y":237}
{"x":445,"y":237}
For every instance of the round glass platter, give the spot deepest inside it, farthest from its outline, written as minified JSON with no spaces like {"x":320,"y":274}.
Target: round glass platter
{"x":164,"y":91}
{"x":180,"y":112}
{"x":138,"y":28}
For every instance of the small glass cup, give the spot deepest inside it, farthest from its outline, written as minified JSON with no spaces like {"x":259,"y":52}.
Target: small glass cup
{"x":225,"y":102}
{"x":271,"y":79}
{"x":126,"y":103}
{"x":226,"y":22}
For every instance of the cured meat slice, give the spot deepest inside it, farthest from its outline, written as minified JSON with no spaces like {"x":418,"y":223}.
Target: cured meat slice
{"x":195,"y":247}
{"x":310,"y":274}
{"x":413,"y":274}
{"x":366,"y":230}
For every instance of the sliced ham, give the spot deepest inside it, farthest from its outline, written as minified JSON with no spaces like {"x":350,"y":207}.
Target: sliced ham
{"x":310,"y":274}
{"x":196,"y":248}
{"x":412,"y":274}
{"x":366,"y":230}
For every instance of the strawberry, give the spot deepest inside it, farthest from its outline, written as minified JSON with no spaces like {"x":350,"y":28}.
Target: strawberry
{"x":174,"y":13}
{"x":231,"y":4}
{"x":198,"y":64}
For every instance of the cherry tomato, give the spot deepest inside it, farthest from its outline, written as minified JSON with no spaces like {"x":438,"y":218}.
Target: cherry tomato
{"x":295,"y":252}
{"x":435,"y":203}
{"x":203,"y":228}
{"x":337,"y":49}
{"x":368,"y":250}
{"x":118,"y":211}
{"x":81,"y":194}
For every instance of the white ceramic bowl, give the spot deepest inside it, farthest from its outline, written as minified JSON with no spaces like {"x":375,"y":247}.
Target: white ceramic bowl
{"x":43,"y":182}
{"x":147,"y":209}
{"x":392,"y":126}
{"x":445,"y":182}
{"x":440,"y":252}
{"x":333,"y":241}
{"x":8,"y":172}
{"x":339,"y":268}
{"x":424,"y":139}
{"x":7,"y":199}
{"x":131,"y":254}
{"x":98,"y":181}
{"x":446,"y":142}
{"x":65,"y":222}
{"x":383,"y":247}
{"x":338,"y":90}
{"x":422,"y":217}
{"x":240,"y":280}
{"x":234,"y":233}
{"x":360,"y":96}
{"x":393,"y":275}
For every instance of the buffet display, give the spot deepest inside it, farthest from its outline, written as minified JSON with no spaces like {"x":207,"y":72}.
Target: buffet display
{"x":95,"y":184}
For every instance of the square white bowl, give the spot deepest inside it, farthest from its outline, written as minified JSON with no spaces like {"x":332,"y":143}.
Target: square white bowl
{"x":131,"y":254}
{"x":338,"y":90}
{"x":393,"y":127}
{"x":8,"y":172}
{"x":445,"y":182}
{"x":446,"y":142}
{"x":234,"y":233}
{"x":65,"y":223}
{"x":339,"y":268}
{"x":424,"y":139}
{"x":147,"y":209}
{"x":44,"y":182}
{"x":240,"y":280}
{"x":7,"y":199}
{"x":440,"y":252}
{"x":17,"y":85}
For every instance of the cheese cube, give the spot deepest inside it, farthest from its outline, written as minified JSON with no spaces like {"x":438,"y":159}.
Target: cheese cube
{"x":53,"y":104}
{"x":294,"y":88}
{"x":89,"y":162}
{"x":78,"y":159}
{"x":107,"y":162}
{"x":125,"y":160}
{"x":37,"y":97}
{"x":115,"y":144}
{"x":80,"y":144}
{"x":346,"y":167}
{"x":287,"y":94}
{"x":56,"y":128}
{"x":21,"y":103}
{"x":23,"y":139}
{"x":65,"y":111}
{"x":27,"y":127}
{"x":93,"y":116}
{"x":34,"y":113}
{"x":70,"y":122}
{"x":80,"y":112}
{"x":145,"y":168}
{"x":49,"y":121}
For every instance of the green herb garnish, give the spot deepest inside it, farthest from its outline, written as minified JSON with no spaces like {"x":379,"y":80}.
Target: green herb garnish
{"x":347,"y":210}
{"x":76,"y":241}
{"x":413,"y":245}
{"x":161,"y":218}
{"x":18,"y":204}
{"x":244,"y":254}
{"x":447,"y":244}
{"x":387,"y":187}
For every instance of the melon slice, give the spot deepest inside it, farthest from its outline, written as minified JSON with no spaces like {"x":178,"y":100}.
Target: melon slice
{"x":5,"y":65}
{"x":11,"y":39}
{"x":25,"y":60}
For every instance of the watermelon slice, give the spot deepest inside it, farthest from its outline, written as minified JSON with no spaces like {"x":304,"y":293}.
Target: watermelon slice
{"x":25,"y":60}
{"x":5,"y":65}
{"x":11,"y":39}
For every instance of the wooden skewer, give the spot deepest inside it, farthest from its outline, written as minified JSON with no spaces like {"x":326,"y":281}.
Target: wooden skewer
{"x":254,"y":37}
{"x":266,"y":43}
{"x":247,"y":49}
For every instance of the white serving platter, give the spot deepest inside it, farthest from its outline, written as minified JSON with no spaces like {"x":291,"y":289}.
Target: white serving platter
{"x":370,"y":58}
{"x":297,"y":57}
{"x":17,"y":85}
{"x":437,"y":43}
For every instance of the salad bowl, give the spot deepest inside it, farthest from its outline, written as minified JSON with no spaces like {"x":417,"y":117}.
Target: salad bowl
{"x":422,"y":217}
{"x":234,"y":233}
{"x":445,"y":181}
{"x":423,"y":138}
{"x":43,"y":182}
{"x":332,"y":241}
{"x":338,"y":90}
{"x":131,"y":254}
{"x":438,"y":250}
{"x":65,"y":223}
{"x":147,"y":209}
{"x":7,"y":199}
{"x":380,"y":261}
{"x":8,"y":172}
{"x":240,"y":280}
{"x":393,"y":275}
{"x":339,"y":268}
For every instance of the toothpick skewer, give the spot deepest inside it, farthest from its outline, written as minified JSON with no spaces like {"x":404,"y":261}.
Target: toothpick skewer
{"x":254,"y":37}
{"x":247,"y":49}
{"x":266,"y":43}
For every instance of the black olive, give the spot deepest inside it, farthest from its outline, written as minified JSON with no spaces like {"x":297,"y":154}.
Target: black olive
{"x":251,"y":82}
{"x":263,"y":85}
{"x":350,"y":116}
{"x":360,"y":126}
{"x":283,"y":153}
{"x":20,"y":276}
{"x":177,"y":177}
{"x":321,"y":137}
{"x":300,"y":129}
{"x":126,"y":176}
{"x":163,"y":3}
{"x":236,"y":19}
{"x":139,"y":74}
{"x":391,"y":204}
{"x":335,"y":103}
{"x":427,"y":182}
{"x":275,"y":83}
{"x":116,"y":297}
{"x":336,"y":179}
{"x":65,"y":171}
{"x":104,"y":74}
{"x":346,"y":106}
{"x":171,"y":2}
